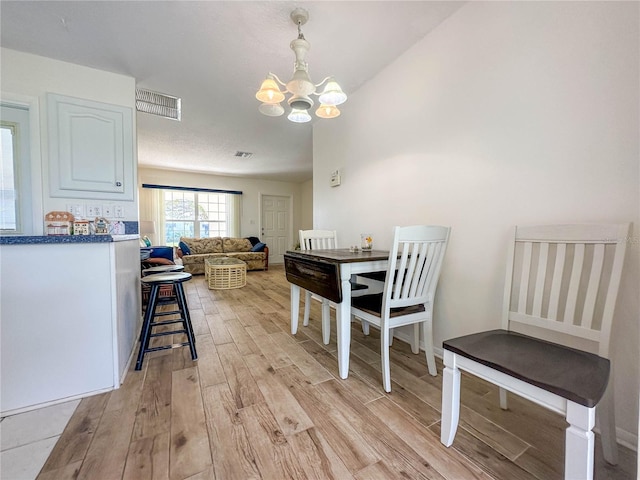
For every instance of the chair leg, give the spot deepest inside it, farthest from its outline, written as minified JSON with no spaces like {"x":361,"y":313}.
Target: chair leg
{"x":427,"y":338}
{"x":326,"y":321}
{"x":606,"y":419}
{"x":579,"y":442}
{"x":365,"y":327}
{"x":307,"y":308}
{"x":450,"y":399}
{"x":188,"y":326}
{"x":145,"y":334}
{"x":503,"y":399}
{"x":384,"y":357}
{"x":415,"y":338}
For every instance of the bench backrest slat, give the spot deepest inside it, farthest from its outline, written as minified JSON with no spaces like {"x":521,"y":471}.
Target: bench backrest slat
{"x":565,"y":278}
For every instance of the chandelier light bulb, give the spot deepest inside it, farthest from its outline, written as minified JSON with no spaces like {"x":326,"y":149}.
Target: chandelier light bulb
{"x":300,"y":87}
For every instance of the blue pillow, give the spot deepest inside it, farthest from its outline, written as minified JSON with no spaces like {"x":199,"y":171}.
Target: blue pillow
{"x":162,"y":252}
{"x":258,"y":247}
{"x":185,"y":249}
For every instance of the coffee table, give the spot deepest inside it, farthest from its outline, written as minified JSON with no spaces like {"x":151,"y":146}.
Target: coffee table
{"x":223,"y":273}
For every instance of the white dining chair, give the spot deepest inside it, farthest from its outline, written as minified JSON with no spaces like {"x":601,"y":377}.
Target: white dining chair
{"x":323,"y":240}
{"x":415,"y":262}
{"x":318,"y":240}
{"x":560,"y":293}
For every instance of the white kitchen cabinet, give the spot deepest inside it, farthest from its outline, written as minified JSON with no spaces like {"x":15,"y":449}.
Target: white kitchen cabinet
{"x":69,"y":320}
{"x":91,"y":149}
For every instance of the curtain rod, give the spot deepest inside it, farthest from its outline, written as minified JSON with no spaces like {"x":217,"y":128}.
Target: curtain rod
{"x":191,"y":189}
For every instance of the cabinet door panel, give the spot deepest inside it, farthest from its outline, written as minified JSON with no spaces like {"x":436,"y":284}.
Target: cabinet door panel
{"x":91,"y":149}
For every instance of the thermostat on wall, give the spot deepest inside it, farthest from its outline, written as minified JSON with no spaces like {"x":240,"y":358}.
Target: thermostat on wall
{"x":335,"y":178}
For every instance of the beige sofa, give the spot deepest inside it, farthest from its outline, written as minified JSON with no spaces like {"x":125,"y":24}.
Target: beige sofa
{"x":203,"y":248}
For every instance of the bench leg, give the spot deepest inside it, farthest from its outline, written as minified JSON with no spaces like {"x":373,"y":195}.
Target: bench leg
{"x":579,"y":442}
{"x":606,"y":420}
{"x":450,"y":399}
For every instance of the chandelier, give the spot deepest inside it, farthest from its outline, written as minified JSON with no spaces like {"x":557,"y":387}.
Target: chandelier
{"x":300,"y":87}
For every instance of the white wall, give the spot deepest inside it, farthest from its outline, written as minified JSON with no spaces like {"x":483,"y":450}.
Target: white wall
{"x":508,"y":113}
{"x":251,"y":191}
{"x":306,"y":207}
{"x":26,"y":76}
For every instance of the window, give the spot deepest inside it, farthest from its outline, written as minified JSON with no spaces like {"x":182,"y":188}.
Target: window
{"x":9,"y":208}
{"x":16,"y":215}
{"x":196,"y":214}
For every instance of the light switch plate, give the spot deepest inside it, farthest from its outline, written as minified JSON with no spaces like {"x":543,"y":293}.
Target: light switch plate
{"x":335,"y":178}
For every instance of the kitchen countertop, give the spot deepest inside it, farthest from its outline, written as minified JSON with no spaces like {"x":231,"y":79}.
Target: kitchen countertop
{"x":57,"y":239}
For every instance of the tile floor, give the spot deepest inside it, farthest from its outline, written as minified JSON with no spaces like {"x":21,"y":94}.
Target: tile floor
{"x":28,"y":438}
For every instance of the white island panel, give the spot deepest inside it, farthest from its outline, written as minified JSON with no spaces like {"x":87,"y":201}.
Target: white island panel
{"x":63,"y":309}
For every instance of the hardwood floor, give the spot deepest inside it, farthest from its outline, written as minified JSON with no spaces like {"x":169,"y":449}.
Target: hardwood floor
{"x":261,"y":403}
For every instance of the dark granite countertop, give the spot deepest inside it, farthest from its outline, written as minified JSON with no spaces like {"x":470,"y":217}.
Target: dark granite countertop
{"x":57,"y":239}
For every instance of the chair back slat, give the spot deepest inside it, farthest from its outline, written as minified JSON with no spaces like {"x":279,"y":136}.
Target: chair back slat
{"x":318,"y":239}
{"x":415,"y":262}
{"x":574,"y":283}
{"x":554,"y":300}
{"x":565,"y":279}
{"x":540,"y":282}
{"x":593,"y":286}
{"x":524,"y":278}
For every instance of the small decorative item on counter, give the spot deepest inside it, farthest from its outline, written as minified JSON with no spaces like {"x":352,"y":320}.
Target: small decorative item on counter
{"x":58,"y":223}
{"x":101,"y":225}
{"x":354,"y":248}
{"x":366,"y":241}
{"x":117,"y":228}
{"x":81,"y":227}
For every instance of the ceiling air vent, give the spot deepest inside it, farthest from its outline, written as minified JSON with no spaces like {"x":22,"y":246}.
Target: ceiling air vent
{"x":158,"y":104}
{"x":243,"y":154}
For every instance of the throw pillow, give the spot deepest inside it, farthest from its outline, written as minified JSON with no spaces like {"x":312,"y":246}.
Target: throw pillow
{"x":159,"y":261}
{"x":185,"y":249}
{"x":258,"y":247}
{"x":162,"y":252}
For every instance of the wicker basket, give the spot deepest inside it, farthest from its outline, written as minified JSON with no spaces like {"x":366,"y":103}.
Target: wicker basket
{"x":225,"y":273}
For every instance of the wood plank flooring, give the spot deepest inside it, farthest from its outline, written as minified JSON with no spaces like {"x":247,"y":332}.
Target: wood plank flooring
{"x":262,"y":404}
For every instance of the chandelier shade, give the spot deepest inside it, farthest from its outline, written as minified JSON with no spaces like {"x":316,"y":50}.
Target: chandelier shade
{"x":299,"y":115}
{"x":300,"y":87}
{"x":271,"y":109}
{"x":332,"y":94}
{"x":327,"y":111}
{"x":269,"y":91}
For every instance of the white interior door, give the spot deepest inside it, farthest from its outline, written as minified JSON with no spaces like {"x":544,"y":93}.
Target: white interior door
{"x":276,"y":226}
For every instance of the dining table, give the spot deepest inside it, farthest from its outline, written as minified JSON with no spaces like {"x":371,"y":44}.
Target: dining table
{"x":327,"y":273}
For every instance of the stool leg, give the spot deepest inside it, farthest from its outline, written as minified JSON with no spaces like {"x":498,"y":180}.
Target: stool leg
{"x":182,"y":303}
{"x":149,"y":314}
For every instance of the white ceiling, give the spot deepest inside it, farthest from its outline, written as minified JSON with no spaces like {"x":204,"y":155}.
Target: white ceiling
{"x":214,"y":55}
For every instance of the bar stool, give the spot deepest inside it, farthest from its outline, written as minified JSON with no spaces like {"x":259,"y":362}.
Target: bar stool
{"x":156,"y":281}
{"x":166,"y":294}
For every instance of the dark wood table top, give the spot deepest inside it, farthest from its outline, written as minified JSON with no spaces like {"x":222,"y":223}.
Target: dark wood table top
{"x":339,"y":255}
